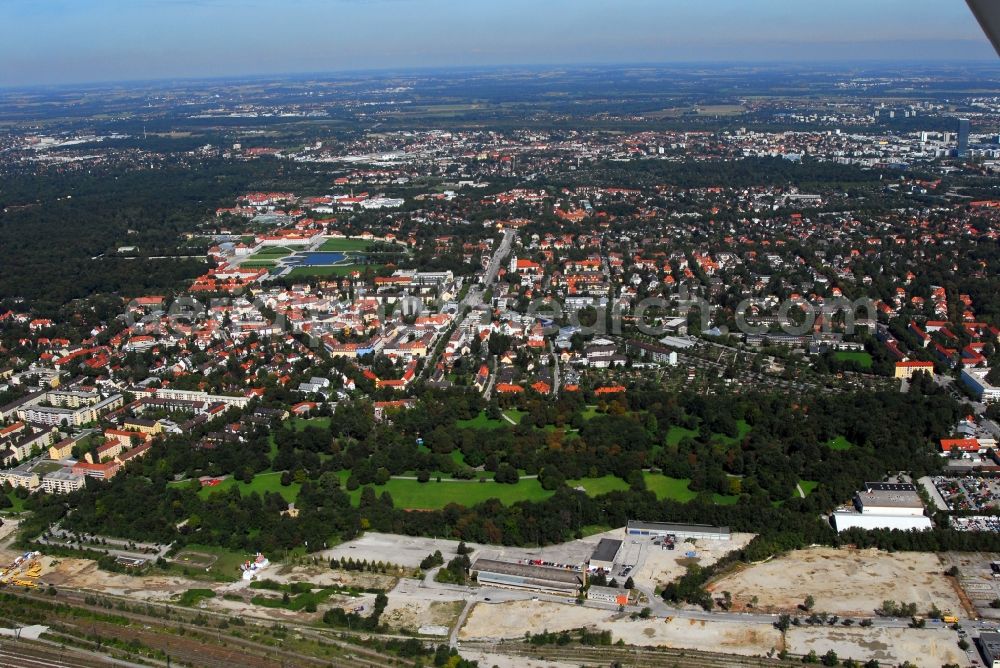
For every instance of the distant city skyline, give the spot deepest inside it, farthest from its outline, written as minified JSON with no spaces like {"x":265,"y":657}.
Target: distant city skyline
{"x":82,"y":41}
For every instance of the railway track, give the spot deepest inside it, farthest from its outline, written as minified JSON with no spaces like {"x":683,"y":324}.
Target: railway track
{"x":636,"y":657}
{"x":196,"y":644}
{"x":25,"y":654}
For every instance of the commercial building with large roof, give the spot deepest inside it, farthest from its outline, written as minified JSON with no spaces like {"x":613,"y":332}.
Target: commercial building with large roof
{"x":513,"y":575}
{"x":884,"y":505}
{"x":680,"y":531}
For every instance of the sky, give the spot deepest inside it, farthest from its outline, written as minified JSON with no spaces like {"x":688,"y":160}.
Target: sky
{"x":77,"y":41}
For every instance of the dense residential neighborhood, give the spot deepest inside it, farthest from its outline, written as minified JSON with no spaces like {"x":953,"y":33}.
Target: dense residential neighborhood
{"x":705,"y":380}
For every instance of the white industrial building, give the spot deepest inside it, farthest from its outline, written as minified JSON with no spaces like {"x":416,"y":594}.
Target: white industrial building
{"x":884,"y":505}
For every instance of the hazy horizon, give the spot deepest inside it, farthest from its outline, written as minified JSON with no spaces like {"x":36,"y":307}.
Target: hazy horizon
{"x":86,"y":41}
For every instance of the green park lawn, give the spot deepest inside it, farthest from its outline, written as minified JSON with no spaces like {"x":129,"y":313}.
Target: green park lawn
{"x":432,"y":495}
{"x":481,"y":421}
{"x":598,"y":486}
{"x":840,"y":443}
{"x":274,"y":252}
{"x":742,"y":429}
{"x":808,"y":486}
{"x":261,"y":483}
{"x":17,"y":503}
{"x":674,"y":489}
{"x":677,"y":489}
{"x":863,"y":359}
{"x":299,"y":424}
{"x":333,"y":245}
{"x":677,"y":434}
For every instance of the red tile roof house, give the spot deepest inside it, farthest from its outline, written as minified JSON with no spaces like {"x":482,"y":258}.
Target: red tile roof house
{"x":949,"y":445}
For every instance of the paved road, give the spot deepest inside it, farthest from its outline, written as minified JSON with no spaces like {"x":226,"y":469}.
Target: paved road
{"x":555,"y":370}
{"x":932,"y":491}
{"x":488,"y":390}
{"x":453,"y":638}
{"x":990,"y":426}
{"x":474,"y":297}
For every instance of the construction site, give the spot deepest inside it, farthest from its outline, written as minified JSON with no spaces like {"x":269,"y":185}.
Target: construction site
{"x":24,"y":571}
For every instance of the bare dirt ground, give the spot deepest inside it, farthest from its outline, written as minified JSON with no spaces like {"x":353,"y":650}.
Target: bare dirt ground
{"x":8,"y":527}
{"x":921,"y":647}
{"x":411,"y":614}
{"x":725,"y":637}
{"x":324,"y":576}
{"x":847,"y":582}
{"x":84,"y":574}
{"x":512,"y":619}
{"x":659,"y":566}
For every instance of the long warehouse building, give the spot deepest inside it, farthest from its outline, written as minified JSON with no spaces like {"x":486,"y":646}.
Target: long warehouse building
{"x":527,"y":576}
{"x":680,"y":531}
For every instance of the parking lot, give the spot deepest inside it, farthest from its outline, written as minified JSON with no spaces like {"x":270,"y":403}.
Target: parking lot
{"x":976,"y":579}
{"x":969,"y":492}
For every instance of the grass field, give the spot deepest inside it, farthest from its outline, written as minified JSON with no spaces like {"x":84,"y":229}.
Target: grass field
{"x":677,"y":434}
{"x":297,"y":602}
{"x":220,"y":562}
{"x":840,"y":443}
{"x":742,"y":430}
{"x":598,"y":486}
{"x":338,"y":270}
{"x":345,"y":245}
{"x":481,"y":422}
{"x":18,"y":504}
{"x":298,"y":424}
{"x":193,"y":596}
{"x":432,"y":495}
{"x":808,"y":486}
{"x":864,"y":360}
{"x":590,"y":412}
{"x":262,"y":482}
{"x":676,"y":489}
{"x":276,"y":251}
